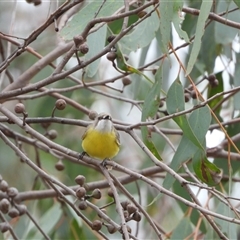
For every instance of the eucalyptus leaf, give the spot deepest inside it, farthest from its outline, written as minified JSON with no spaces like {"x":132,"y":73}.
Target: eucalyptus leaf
{"x":177,"y":20}
{"x":175,"y":103}
{"x":199,"y":121}
{"x":205,"y":170}
{"x":227,"y":227}
{"x":223,"y":33}
{"x":213,"y":89}
{"x":47,"y":222}
{"x":183,"y":229}
{"x":166,"y":15}
{"x":87,"y":13}
{"x":150,"y":107}
{"x":141,"y":36}
{"x":96,"y":43}
{"x":203,"y":16}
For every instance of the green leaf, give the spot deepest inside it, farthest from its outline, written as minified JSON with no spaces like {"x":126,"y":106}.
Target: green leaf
{"x":213,"y":91}
{"x":175,"y":103}
{"x":205,"y":170}
{"x":87,"y":13}
{"x":223,"y":33}
{"x":203,"y":16}
{"x":177,"y":20}
{"x":96,"y":43}
{"x":47,"y":222}
{"x":150,"y":107}
{"x":185,"y":151}
{"x":199,"y":121}
{"x":230,"y":229}
{"x":141,"y":36}
{"x":183,"y":229}
{"x":166,"y":15}
{"x":237,"y":2}
{"x":195,"y":215}
{"x":175,"y":98}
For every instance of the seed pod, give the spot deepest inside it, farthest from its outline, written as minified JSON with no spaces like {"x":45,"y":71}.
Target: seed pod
{"x":13,"y":212}
{"x":92,"y":115}
{"x":96,"y":193}
{"x":84,"y":48}
{"x":45,"y":125}
{"x":111,"y":56}
{"x":19,"y":108}
{"x":211,"y":77}
{"x":78,"y":40}
{"x":214,"y":83}
{"x":110,"y":193}
{"x":131,"y":208}
{"x":37,"y":2}
{"x":82,"y":205}
{"x":4,"y":205}
{"x":125,"y":204}
{"x":60,"y":104}
{"x":21,"y":208}
{"x":80,"y":180}
{"x":111,"y":229}
{"x":12,"y":192}
{"x":80,"y":192}
{"x":126,"y":81}
{"x":141,"y":14}
{"x":96,"y":225}
{"x":110,"y":38}
{"x":3,"y":185}
{"x":137,"y":217}
{"x":52,"y":134}
{"x":4,"y":227}
{"x":193,"y":94}
{"x":154,"y":71}
{"x":161,"y":104}
{"x":187,"y":97}
{"x":59,"y":165}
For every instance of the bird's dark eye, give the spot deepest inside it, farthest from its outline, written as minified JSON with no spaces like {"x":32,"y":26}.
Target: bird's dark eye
{"x":107,"y":117}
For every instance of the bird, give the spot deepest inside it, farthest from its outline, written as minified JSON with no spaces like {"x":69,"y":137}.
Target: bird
{"x":101,"y":140}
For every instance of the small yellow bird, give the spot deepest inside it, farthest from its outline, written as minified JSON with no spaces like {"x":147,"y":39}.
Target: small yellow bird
{"x":101,"y":140}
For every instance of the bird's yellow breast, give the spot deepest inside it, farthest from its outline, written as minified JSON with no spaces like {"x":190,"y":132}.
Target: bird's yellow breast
{"x":100,"y":145}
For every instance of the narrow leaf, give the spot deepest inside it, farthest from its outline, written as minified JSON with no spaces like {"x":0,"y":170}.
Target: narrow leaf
{"x":96,"y":43}
{"x":141,"y":36}
{"x":223,"y":33}
{"x":150,"y":107}
{"x":87,"y":13}
{"x":175,"y":98}
{"x":237,"y":2}
{"x":166,"y":14}
{"x":175,"y":103}
{"x":183,"y":229}
{"x":177,"y":20}
{"x":205,"y":170}
{"x":199,"y":121}
{"x":203,"y":16}
{"x":213,"y":89}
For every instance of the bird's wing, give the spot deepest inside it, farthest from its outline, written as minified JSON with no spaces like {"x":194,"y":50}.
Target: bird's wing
{"x":117,"y":136}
